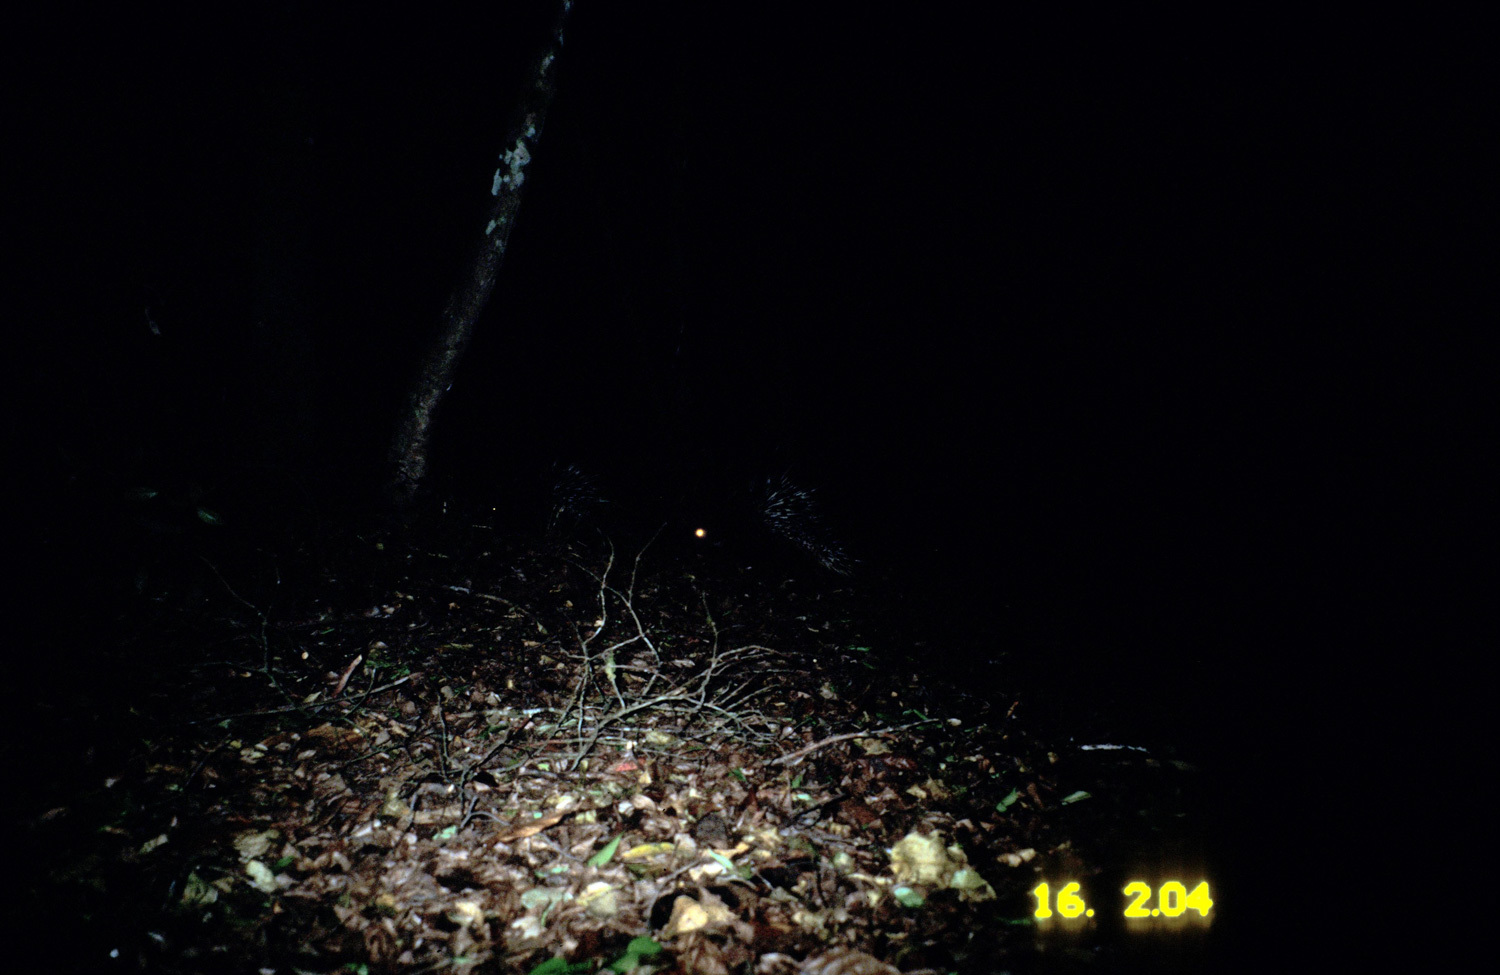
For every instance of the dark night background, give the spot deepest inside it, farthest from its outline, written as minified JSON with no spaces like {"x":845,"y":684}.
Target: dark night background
{"x":1085,"y":331}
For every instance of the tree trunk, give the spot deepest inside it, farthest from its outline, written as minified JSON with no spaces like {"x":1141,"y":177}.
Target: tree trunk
{"x":409,"y":446}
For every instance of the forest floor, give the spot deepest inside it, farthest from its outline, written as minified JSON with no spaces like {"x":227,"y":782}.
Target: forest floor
{"x":406,"y":751}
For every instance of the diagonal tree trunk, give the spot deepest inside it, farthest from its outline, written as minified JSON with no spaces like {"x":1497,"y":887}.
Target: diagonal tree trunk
{"x":409,"y":446}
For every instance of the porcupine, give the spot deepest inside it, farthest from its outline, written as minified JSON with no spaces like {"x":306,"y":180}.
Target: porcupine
{"x":574,"y":499}
{"x":789,"y":515}
{"x":735,"y":523}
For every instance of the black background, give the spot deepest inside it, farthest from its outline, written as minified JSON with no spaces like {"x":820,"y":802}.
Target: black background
{"x":1094,"y":334}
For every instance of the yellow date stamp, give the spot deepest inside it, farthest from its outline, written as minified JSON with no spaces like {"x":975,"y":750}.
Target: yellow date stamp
{"x":1140,"y":902}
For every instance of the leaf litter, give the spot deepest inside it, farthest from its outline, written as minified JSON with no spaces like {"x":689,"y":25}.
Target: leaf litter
{"x":456,"y":755}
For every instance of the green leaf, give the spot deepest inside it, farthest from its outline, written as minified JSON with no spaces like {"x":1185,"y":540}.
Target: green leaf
{"x":907,"y":897}
{"x":605,"y":855}
{"x":638,"y":948}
